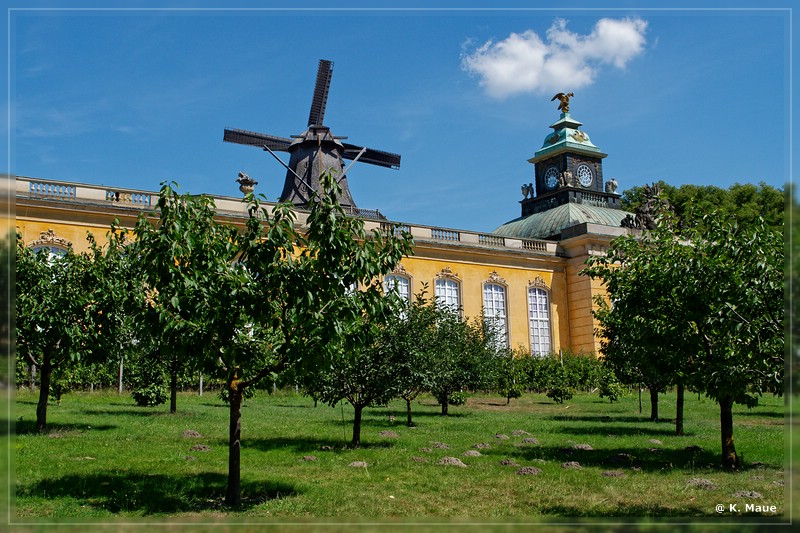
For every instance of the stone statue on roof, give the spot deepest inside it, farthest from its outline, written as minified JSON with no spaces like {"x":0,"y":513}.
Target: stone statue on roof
{"x":563,"y":98}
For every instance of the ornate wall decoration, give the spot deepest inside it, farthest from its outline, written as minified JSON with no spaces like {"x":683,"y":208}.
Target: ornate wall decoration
{"x":446,"y":273}
{"x":49,"y":238}
{"x":400,"y":270}
{"x":495,"y":278}
{"x":538,"y":282}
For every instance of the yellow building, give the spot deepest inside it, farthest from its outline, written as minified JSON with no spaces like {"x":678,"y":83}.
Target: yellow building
{"x":525,"y":273}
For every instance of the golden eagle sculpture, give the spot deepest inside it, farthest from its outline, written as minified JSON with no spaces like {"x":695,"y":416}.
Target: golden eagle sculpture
{"x":563,"y":98}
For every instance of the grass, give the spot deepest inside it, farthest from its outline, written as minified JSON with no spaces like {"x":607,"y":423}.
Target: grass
{"x":105,"y":458}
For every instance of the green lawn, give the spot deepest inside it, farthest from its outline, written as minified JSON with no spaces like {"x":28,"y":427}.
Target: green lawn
{"x":106,"y":458}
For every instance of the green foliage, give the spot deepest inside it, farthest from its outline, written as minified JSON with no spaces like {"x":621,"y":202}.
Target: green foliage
{"x":457,"y":398}
{"x":151,"y":393}
{"x":244,"y":304}
{"x":609,"y":386}
{"x":701,"y":306}
{"x":410,"y":340}
{"x":744,"y":202}
{"x":512,"y":373}
{"x":463,"y":354}
{"x":67,"y":310}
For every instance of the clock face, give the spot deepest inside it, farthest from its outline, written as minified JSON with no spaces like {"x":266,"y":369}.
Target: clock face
{"x":551,"y":178}
{"x":584,"y":174}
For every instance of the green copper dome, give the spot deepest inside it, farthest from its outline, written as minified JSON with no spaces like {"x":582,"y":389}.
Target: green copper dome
{"x":566,"y":137}
{"x":548,"y":224}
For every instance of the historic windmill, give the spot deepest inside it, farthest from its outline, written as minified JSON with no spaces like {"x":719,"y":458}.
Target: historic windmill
{"x":315,"y":151}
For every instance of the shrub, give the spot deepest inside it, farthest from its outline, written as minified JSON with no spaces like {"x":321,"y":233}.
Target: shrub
{"x":457,"y":398}
{"x":560,"y":393}
{"x":609,"y":386}
{"x":150,"y":395}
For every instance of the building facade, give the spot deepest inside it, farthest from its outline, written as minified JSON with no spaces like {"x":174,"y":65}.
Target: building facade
{"x":524,"y":274}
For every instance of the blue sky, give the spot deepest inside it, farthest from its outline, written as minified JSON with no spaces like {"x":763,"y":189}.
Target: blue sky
{"x":136,"y":97}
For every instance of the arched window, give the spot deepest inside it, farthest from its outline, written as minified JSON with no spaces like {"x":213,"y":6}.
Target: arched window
{"x":399,"y":284}
{"x":494,"y":310}
{"x":54,"y":245}
{"x":447,"y":289}
{"x":539,"y":320}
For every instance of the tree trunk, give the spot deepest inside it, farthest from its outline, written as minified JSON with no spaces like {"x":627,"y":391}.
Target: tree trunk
{"x":120,"y":376}
{"x":679,"y":411}
{"x":356,"y":442}
{"x":640,"y":398}
{"x":409,"y":423}
{"x":653,"y":403}
{"x":173,"y":385}
{"x":444,"y":406}
{"x":233,"y":496}
{"x":46,"y":371}
{"x":730,"y":460}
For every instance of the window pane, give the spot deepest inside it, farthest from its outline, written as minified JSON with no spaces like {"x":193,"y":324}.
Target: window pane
{"x":400,"y":284}
{"x":539,"y":321}
{"x":446,"y":292}
{"x":494,"y":310}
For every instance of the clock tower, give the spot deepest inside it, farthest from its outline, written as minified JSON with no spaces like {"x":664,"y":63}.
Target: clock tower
{"x":569,"y":169}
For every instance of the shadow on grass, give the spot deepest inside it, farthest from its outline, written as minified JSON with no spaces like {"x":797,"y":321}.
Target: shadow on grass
{"x":26,"y":427}
{"x":317,"y":445}
{"x":618,"y":430}
{"x":625,"y":458}
{"x":765,"y":414}
{"x":154,"y":493}
{"x":606,"y":419}
{"x":132,"y":411}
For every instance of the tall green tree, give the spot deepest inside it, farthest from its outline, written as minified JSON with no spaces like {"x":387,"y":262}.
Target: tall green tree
{"x":736,"y":312}
{"x":410,"y":341}
{"x":640,"y":338}
{"x":464,"y":354}
{"x":176,"y":254}
{"x":256,"y":301}
{"x":706,"y":302}
{"x":363,"y":369}
{"x":67,"y":309}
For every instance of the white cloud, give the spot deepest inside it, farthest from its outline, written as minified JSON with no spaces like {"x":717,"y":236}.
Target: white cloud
{"x":525,"y":62}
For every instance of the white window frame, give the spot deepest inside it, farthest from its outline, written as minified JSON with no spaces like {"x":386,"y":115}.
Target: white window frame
{"x":394,"y":282}
{"x":495,"y":309}
{"x":447,"y":291}
{"x":540,"y":333}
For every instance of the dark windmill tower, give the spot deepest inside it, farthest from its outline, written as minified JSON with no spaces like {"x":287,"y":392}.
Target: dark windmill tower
{"x":316,"y":150}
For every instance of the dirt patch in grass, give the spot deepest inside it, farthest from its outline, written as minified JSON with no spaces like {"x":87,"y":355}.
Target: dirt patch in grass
{"x":749,"y":494}
{"x":451,"y":461}
{"x":701,"y":483}
{"x":528,"y":471}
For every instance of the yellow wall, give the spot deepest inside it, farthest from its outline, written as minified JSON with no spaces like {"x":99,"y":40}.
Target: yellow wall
{"x":572,"y":324}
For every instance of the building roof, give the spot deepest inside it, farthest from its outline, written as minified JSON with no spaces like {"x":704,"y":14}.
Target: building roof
{"x":548,"y":224}
{"x":566,"y":137}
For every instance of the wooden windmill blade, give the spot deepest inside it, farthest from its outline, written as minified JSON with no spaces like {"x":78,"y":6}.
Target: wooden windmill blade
{"x":372,"y":156}
{"x":321,"y":89}
{"x":252,"y":138}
